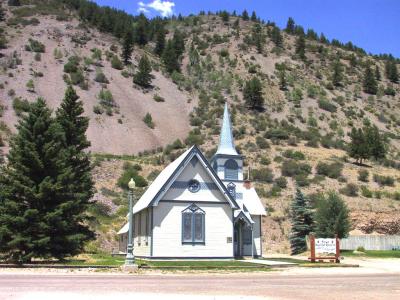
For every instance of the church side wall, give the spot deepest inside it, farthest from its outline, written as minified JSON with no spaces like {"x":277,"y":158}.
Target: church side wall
{"x":142,"y":233}
{"x":167,"y":231}
{"x":256,"y":238}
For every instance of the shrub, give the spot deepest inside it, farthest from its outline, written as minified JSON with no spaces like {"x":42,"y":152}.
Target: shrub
{"x":363,"y":175}
{"x":326,"y":105}
{"x":333,"y":170}
{"x":158,"y":98}
{"x":38,"y":57}
{"x":296,"y":155}
{"x":106,"y":98}
{"x":116,"y":63}
{"x":148,"y":120}
{"x":194,"y":138}
{"x":30,"y":86}
{"x":265,"y":161}
{"x":97,"y":109}
{"x":71,"y":66}
{"x":281,"y":182}
{"x":100,"y":77}
{"x":261,"y":142}
{"x":35,"y":46}
{"x":130,"y":171}
{"x":360,"y":249}
{"x":291,"y":168}
{"x":77,"y":78}
{"x":366,"y":192}
{"x":350,"y":190}
{"x":20,"y":106}
{"x":302,"y":180}
{"x":384,"y":180}
{"x":263,"y":174}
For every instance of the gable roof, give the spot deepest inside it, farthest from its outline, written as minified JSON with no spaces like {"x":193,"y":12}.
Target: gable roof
{"x":253,"y":202}
{"x":161,"y":184}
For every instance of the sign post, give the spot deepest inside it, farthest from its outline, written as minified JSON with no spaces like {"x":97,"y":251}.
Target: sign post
{"x":324,"y":249}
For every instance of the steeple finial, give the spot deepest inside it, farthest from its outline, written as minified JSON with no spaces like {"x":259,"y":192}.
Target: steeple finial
{"x":226,"y":145}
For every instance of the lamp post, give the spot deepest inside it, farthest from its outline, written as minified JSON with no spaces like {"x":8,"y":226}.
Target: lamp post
{"x":130,"y":259}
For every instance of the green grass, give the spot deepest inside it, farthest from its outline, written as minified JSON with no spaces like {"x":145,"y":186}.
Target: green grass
{"x":197,"y":263}
{"x":287,"y":259}
{"x":373,"y":253}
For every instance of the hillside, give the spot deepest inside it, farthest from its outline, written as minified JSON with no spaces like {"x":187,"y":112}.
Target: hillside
{"x":311,"y":103}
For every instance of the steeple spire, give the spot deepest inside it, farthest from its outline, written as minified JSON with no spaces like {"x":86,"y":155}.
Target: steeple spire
{"x":226,"y":145}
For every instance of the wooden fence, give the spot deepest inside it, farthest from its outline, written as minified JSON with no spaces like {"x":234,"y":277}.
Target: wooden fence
{"x":371,"y":242}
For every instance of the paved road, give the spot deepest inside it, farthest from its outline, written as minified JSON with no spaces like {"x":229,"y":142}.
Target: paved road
{"x":238,"y":286}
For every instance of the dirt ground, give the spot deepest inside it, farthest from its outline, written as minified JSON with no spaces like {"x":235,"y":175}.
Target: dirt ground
{"x":374,"y":279}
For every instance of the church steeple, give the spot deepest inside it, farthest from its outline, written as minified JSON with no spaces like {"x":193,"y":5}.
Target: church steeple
{"x":226,"y":145}
{"x":227,"y":162}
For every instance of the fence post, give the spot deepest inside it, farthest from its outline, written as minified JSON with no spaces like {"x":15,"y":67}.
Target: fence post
{"x":337,"y":249}
{"x":312,"y":245}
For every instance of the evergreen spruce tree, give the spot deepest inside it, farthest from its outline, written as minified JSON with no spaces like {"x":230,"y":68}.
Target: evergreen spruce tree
{"x":258,"y":37}
{"x":179,"y":43}
{"x":30,"y":186}
{"x":68,"y":229}
{"x":378,"y":76}
{"x":358,"y":148}
{"x":252,"y":93}
{"x":127,"y":48}
{"x":140,"y":30}
{"x":332,"y":217}
{"x":143,"y":75}
{"x":170,"y":58}
{"x":160,"y":42}
{"x":353,"y":60}
{"x":277,"y":37}
{"x":253,"y":16}
{"x":245,"y":15}
{"x":337,"y":76}
{"x":302,"y":223}
{"x":391,"y":71}
{"x":290,"y":26}
{"x":301,"y":47}
{"x":370,"y":85}
{"x":376,"y":142}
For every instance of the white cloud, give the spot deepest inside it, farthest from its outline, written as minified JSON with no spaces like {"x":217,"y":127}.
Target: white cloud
{"x":164,"y":8}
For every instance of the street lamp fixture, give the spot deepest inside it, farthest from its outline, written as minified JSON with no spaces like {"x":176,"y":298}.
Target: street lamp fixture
{"x":130,"y":259}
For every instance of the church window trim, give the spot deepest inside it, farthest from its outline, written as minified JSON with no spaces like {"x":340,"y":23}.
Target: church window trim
{"x":231,"y":169}
{"x":193,"y":225}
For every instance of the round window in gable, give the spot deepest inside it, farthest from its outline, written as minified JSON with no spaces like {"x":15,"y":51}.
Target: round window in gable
{"x":194,"y":186}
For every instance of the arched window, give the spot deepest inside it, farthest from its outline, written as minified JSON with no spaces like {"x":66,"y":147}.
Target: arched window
{"x":193,"y":225}
{"x":231,"y":169}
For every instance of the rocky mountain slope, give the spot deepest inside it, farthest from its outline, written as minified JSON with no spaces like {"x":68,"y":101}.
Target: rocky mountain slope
{"x":304,"y":122}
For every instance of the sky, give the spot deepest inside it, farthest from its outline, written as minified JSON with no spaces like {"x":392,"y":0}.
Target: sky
{"x":370,"y":24}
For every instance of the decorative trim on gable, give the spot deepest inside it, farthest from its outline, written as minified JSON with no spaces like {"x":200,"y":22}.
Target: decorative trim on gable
{"x":182,"y":185}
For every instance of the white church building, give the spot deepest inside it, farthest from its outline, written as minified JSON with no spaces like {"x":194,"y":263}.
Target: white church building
{"x":199,"y":209}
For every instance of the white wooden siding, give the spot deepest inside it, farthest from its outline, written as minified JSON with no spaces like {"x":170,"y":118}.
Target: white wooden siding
{"x":256,"y":239}
{"x":167,"y":231}
{"x":141,"y":241}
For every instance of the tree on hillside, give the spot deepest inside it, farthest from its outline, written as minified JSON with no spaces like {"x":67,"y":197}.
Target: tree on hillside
{"x":290,"y":26}
{"x":358,"y":148}
{"x":160,"y":42}
{"x":140,"y":30}
{"x":170,"y":58}
{"x":276,"y":37}
{"x":282,"y":80}
{"x":253,"y":16}
{"x":302,"y":221}
{"x":337,"y":73}
{"x":332,"y":217}
{"x":376,"y":142}
{"x":258,"y":37}
{"x":30,"y":187}
{"x":252,"y":93}
{"x":2,"y":14}
{"x":378,"y":76}
{"x":179,"y":43}
{"x":14,"y":2}
{"x":70,"y":228}
{"x":245,"y":15}
{"x":391,"y":71}
{"x":143,"y":75}
{"x":370,"y":85}
{"x":127,"y":48}
{"x":301,"y":47}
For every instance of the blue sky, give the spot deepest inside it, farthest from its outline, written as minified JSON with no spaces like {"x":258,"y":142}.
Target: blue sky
{"x":370,"y":24}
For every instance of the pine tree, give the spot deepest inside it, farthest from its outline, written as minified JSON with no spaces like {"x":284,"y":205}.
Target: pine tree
{"x":69,"y":228}
{"x":290,"y":25}
{"x":30,"y":187}
{"x":391,"y":71}
{"x":378,"y":76}
{"x":258,"y":37}
{"x":160,"y":42}
{"x":14,"y":2}
{"x":140,"y":30}
{"x":376,"y":143}
{"x":332,"y":217}
{"x":302,"y":223}
{"x":253,"y":16}
{"x":358,"y":148}
{"x":301,"y":47}
{"x":369,"y":83}
{"x":277,"y":37}
{"x":252,"y":93}
{"x":170,"y":58}
{"x":179,"y":43}
{"x":143,"y":75}
{"x":127,"y":48}
{"x":245,"y":15}
{"x":337,"y":75}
